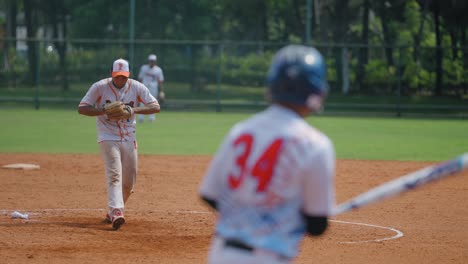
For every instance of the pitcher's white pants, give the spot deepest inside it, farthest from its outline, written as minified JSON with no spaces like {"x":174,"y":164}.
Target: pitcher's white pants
{"x":222,"y":254}
{"x":120,"y":161}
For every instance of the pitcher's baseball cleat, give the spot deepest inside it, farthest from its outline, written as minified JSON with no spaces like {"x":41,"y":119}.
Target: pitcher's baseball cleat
{"x":107,"y":220}
{"x":117,"y":218}
{"x":117,"y":223}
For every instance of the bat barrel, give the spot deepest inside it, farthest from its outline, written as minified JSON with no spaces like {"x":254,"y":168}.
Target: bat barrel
{"x":405,"y":183}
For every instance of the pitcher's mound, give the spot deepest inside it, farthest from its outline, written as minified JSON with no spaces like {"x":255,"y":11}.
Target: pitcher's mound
{"x":23,"y":166}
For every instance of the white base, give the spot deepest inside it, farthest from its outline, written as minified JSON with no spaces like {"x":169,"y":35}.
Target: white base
{"x":24,"y":166}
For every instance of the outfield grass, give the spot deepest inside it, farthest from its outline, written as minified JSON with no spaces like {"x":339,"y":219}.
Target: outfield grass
{"x":65,"y":131}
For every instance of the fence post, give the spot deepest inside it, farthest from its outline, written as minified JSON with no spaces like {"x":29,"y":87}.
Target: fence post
{"x":308,"y":21}
{"x":219,"y":78}
{"x":37,"y":74}
{"x":345,"y":70}
{"x":131,"y":34}
{"x":398,"y":104}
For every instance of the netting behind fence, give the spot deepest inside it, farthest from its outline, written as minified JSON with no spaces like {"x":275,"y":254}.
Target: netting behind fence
{"x":223,"y":75}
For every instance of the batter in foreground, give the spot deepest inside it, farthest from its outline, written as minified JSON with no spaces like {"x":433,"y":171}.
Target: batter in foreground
{"x":272,"y":179}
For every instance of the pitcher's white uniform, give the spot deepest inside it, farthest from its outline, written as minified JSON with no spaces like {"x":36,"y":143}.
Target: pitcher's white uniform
{"x":151,"y":77}
{"x":269,"y":169}
{"x":117,"y":139}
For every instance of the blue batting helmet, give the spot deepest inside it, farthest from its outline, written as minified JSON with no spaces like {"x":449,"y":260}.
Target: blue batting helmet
{"x":297,"y":72}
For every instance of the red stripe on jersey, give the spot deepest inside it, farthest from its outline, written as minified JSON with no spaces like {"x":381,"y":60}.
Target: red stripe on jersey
{"x":110,"y":87}
{"x":129,"y":85}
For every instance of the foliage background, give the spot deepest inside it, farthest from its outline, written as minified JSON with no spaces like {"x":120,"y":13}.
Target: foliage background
{"x":393,"y":52}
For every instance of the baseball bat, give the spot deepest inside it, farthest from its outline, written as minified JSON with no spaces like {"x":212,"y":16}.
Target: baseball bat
{"x":405,"y":183}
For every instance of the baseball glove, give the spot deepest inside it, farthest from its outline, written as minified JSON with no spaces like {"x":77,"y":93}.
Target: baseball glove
{"x":118,"y":111}
{"x":161,"y":97}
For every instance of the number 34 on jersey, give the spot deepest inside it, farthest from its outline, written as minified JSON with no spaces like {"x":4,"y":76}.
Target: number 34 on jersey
{"x":262,"y":169}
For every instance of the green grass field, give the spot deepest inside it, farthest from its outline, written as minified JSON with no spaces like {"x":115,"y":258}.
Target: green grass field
{"x":184,"y":133}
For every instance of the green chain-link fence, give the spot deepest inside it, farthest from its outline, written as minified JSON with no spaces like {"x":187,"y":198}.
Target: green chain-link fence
{"x":223,"y":76}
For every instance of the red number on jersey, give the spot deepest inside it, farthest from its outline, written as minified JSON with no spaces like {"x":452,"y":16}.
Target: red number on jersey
{"x":263,"y":169}
{"x":264,"y":166}
{"x":245,"y":141}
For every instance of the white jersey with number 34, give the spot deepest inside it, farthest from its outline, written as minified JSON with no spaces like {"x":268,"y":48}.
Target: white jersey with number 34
{"x":269,"y":169}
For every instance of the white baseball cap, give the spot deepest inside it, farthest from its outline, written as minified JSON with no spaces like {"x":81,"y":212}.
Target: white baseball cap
{"x":120,"y":67}
{"x":152,"y":57}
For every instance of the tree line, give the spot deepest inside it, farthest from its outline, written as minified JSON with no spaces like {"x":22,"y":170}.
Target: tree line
{"x":363,"y":23}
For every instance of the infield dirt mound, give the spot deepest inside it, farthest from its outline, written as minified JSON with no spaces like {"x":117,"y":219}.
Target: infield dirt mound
{"x":167,"y":223}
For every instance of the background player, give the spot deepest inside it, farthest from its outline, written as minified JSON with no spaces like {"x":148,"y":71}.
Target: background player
{"x":152,"y":76}
{"x":116,"y":139}
{"x":272,"y":179}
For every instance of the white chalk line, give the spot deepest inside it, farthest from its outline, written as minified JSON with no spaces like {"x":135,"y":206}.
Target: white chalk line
{"x":397,"y":232}
{"x":397,"y":235}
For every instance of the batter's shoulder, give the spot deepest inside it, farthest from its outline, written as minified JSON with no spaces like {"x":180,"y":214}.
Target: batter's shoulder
{"x":315,"y":136}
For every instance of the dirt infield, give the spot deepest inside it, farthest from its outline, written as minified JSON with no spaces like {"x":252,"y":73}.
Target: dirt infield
{"x":166,"y":222}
